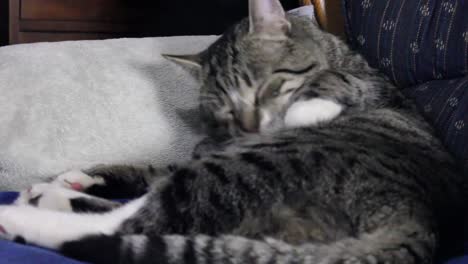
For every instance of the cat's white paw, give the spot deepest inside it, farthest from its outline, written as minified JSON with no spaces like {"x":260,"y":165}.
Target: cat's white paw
{"x":32,"y":194}
{"x":77,"y":180}
{"x":11,"y":223}
{"x":48,"y":196}
{"x":4,"y":224}
{"x":44,"y":228}
{"x":50,"y":229}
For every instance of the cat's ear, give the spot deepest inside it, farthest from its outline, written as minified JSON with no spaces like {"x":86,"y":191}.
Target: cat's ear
{"x":191,"y":63}
{"x":268,"y":19}
{"x":188,"y":61}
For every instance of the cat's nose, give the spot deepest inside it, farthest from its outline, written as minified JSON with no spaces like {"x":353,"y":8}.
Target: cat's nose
{"x":249,"y":128}
{"x":249,"y":122}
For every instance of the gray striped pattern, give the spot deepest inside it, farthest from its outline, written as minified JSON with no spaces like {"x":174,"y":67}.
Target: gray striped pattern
{"x":373,"y":185}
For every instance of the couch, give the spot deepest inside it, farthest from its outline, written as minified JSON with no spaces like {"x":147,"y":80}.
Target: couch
{"x":421,"y":45}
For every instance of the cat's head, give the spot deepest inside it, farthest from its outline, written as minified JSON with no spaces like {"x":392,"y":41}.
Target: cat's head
{"x":259,"y":76}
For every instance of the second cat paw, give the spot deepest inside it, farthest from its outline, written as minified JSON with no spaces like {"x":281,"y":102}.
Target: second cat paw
{"x":48,"y":196}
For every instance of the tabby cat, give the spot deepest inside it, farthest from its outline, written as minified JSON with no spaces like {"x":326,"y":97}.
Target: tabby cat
{"x":313,"y":157}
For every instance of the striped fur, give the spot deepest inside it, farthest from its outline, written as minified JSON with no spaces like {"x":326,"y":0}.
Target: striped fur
{"x":365,"y":187}
{"x":371,"y":185}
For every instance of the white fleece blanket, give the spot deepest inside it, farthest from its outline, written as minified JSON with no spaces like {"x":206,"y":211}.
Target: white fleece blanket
{"x":72,"y":105}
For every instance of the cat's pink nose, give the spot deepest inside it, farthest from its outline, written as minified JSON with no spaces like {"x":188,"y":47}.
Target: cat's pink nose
{"x":250,"y":129}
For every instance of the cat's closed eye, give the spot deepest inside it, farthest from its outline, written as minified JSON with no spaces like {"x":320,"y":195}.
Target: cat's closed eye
{"x":281,"y":86}
{"x":274,"y":87}
{"x":308,"y":68}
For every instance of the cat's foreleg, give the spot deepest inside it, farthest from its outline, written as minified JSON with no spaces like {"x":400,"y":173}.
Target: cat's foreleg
{"x":51,"y":229}
{"x":55,"y":197}
{"x":114,"y":181}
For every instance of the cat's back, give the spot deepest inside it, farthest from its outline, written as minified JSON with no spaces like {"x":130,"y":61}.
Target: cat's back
{"x":382,"y":137}
{"x":365,"y":153}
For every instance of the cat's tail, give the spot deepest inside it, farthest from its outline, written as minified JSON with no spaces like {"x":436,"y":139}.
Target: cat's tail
{"x":382,"y":246}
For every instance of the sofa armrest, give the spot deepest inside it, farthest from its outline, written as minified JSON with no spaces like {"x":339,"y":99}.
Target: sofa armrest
{"x":329,"y":15}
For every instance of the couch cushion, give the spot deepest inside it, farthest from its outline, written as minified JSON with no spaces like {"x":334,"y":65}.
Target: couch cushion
{"x":445,"y":104}
{"x":420,"y":45}
{"x":411,"y":41}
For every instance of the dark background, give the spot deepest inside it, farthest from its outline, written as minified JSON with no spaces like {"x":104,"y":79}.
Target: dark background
{"x":3,"y":22}
{"x":175,"y":17}
{"x":204,"y":16}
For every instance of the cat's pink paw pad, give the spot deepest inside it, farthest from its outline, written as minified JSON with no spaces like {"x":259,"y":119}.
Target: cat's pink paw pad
{"x":77,"y":180}
{"x":76,"y":186}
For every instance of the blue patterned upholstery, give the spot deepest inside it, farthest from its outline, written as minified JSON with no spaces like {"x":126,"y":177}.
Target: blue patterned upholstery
{"x":422,"y":45}
{"x":445,"y":104}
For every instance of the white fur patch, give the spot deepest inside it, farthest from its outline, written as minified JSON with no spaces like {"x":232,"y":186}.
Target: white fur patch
{"x":311,"y":112}
{"x":265,"y":120}
{"x":51,"y":196}
{"x":51,"y":229}
{"x":176,"y":249}
{"x":137,"y":243}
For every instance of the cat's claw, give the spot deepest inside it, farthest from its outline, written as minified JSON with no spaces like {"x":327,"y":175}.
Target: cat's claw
{"x":2,"y":230}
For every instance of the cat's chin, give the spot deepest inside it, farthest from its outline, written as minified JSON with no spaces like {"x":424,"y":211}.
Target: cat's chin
{"x":311,"y":112}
